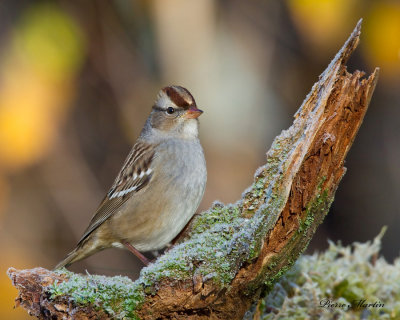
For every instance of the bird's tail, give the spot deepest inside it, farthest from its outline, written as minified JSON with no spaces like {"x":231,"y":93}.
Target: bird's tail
{"x":75,"y":255}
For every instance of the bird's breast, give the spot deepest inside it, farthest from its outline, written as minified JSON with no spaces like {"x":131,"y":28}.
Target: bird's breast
{"x":161,"y":210}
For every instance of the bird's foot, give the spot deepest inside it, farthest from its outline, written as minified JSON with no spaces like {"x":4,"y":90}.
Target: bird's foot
{"x":132,"y":249}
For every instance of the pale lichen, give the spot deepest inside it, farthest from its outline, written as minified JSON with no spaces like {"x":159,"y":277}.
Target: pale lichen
{"x":117,"y":296}
{"x":219,"y":240}
{"x":333,"y":285}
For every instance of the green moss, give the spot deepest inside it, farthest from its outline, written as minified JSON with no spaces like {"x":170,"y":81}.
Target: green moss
{"x":318,"y":206}
{"x":269,"y":283}
{"x":118,"y":296}
{"x":216,"y":215}
{"x":342,"y":275}
{"x":258,"y":189}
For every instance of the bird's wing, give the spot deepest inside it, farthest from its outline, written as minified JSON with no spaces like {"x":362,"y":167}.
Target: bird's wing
{"x":134,"y":176}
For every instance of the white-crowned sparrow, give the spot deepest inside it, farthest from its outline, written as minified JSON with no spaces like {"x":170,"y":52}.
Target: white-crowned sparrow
{"x":159,"y":187}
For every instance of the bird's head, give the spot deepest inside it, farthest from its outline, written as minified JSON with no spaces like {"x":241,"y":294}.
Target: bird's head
{"x":175,"y":112}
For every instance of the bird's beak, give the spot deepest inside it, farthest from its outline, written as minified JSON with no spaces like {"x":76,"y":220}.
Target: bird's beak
{"x":193,"y":113}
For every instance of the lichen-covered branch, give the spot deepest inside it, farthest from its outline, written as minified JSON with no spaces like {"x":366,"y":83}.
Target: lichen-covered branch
{"x":230,"y":254}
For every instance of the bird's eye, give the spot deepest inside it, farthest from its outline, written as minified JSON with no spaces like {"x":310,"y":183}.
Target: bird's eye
{"x":170,"y":110}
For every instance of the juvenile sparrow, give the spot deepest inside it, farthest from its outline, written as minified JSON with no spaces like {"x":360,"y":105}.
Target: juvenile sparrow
{"x":159,"y":187}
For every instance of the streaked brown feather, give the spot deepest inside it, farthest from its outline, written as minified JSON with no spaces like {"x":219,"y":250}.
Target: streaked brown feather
{"x":138,"y":161}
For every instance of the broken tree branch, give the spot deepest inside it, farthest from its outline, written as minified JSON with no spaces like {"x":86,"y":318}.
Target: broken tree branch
{"x":230,"y":254}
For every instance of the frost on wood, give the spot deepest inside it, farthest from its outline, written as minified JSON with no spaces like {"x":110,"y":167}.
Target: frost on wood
{"x":231,"y":254}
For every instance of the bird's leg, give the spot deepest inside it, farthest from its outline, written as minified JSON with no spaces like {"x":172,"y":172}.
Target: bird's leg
{"x":132,"y":249}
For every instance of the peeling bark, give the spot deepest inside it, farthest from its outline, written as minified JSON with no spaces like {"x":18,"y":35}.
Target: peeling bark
{"x":229,"y":255}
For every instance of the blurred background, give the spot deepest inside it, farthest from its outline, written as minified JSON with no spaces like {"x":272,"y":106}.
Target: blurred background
{"x":78,"y":79}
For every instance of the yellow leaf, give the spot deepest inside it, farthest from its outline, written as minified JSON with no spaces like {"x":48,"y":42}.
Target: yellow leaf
{"x":37,"y":74}
{"x":324,"y":23}
{"x":381,"y":43}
